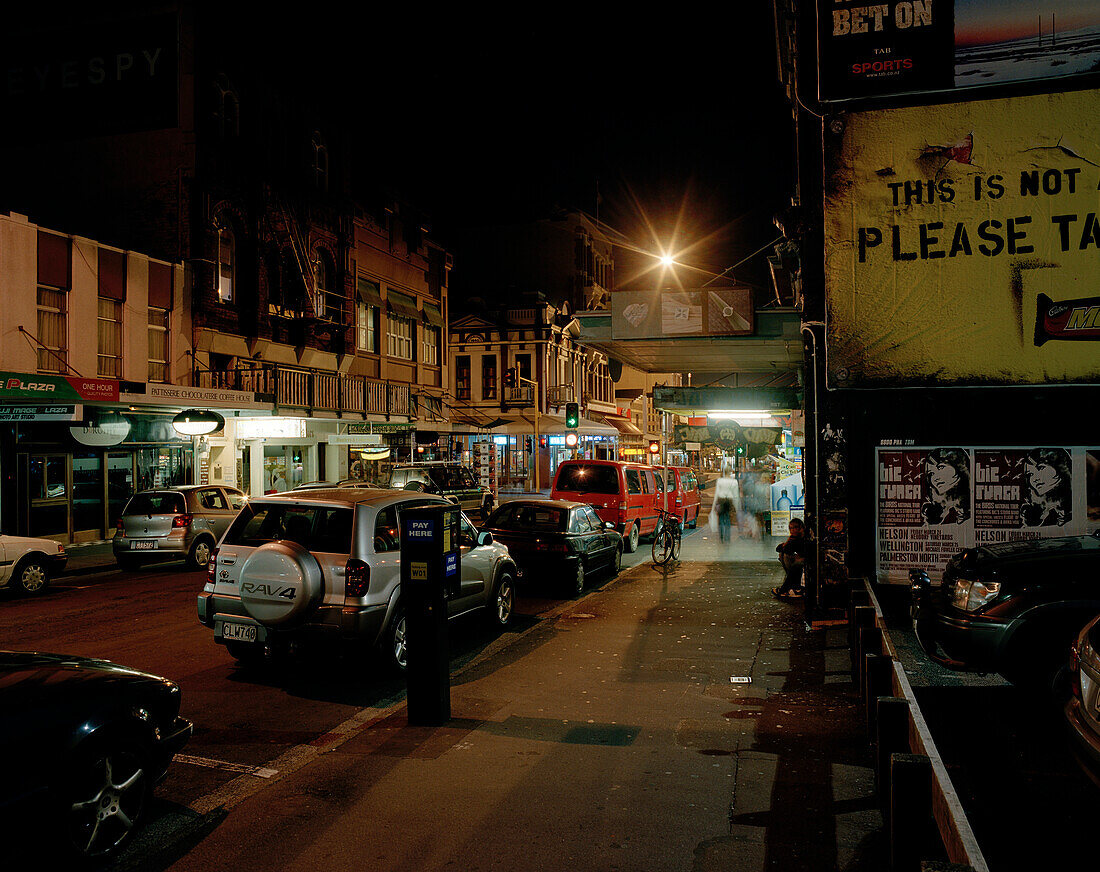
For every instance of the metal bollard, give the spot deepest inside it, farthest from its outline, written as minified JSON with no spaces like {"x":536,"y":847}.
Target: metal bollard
{"x":869,"y":642}
{"x":891,"y":737}
{"x":878,"y":675}
{"x":912,"y":829}
{"x":862,"y":617}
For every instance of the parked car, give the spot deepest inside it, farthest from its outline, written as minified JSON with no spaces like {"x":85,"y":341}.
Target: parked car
{"x":28,"y":564}
{"x":1082,"y":708}
{"x":88,"y":739}
{"x":175,"y":522}
{"x":1013,"y":607}
{"x":451,"y":480}
{"x":322,"y":485}
{"x":626,"y":494}
{"x":557,"y":539}
{"x":683,"y":494}
{"x":312,"y":565}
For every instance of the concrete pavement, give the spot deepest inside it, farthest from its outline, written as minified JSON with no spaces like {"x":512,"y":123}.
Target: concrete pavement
{"x":672,"y":719}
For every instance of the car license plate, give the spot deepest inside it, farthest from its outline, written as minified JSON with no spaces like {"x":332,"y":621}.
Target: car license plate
{"x":239,"y":632}
{"x":143,"y":544}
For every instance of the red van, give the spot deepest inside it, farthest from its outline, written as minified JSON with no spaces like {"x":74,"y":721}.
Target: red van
{"x":626,"y":494}
{"x":683,"y":494}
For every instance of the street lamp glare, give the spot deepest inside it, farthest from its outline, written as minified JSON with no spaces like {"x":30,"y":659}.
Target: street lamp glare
{"x":667,"y":260}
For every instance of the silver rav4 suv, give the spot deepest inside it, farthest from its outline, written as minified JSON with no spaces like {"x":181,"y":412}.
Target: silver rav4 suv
{"x":327,"y":563}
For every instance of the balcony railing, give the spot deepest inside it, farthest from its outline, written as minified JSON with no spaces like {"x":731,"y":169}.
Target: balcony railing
{"x":521,"y":396}
{"x":308,"y":389}
{"x":559,"y":395}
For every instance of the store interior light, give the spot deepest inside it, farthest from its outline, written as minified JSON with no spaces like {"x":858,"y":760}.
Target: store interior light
{"x":197,"y":422}
{"x":749,"y":415}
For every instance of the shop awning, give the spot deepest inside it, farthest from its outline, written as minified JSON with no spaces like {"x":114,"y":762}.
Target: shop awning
{"x":478,"y":423}
{"x":622,"y":425}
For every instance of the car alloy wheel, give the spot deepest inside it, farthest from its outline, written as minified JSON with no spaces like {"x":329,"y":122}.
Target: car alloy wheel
{"x":105,"y":800}
{"x":33,"y":577}
{"x":504,"y":601}
{"x":200,"y":554}
{"x":399,"y":654}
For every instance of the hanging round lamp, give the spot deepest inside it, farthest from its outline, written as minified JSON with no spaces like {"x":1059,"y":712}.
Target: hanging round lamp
{"x":197,"y":422}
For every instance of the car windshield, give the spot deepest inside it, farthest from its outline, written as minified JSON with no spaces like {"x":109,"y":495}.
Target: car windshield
{"x":156,"y":503}
{"x":450,"y":477}
{"x":525,"y":518}
{"x":588,"y":478}
{"x":315,"y":528}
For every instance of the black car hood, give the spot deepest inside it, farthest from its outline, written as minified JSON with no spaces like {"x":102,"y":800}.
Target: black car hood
{"x":31,"y":672}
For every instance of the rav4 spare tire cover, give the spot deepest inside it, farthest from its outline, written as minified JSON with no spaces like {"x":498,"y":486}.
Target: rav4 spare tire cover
{"x":280,"y":582}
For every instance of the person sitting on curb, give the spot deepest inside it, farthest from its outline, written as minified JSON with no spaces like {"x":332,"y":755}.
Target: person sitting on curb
{"x":793,"y":553}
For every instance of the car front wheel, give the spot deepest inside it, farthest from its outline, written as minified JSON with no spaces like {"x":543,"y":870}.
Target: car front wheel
{"x":32,"y":576}
{"x":104,"y":799}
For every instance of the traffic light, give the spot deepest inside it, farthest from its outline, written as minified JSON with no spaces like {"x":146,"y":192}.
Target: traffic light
{"x":740,"y":449}
{"x":654,"y":446}
{"x":572,"y":415}
{"x":510,"y":377}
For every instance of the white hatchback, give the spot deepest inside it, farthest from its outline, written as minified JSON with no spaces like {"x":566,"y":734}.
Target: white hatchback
{"x":313,"y":564}
{"x":27,"y":564}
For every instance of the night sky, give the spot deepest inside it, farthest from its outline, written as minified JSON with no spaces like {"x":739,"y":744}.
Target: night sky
{"x":677,"y":124}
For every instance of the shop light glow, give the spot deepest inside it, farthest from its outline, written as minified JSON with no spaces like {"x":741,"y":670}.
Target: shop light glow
{"x":197,"y":422}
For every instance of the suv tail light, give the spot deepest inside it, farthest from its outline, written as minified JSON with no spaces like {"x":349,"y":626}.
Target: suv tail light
{"x":356,"y":579}
{"x":212,"y":565}
{"x":120,"y":528}
{"x":182,"y":520}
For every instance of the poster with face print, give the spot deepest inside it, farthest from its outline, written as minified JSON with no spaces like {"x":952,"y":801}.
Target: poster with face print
{"x":935,"y":502}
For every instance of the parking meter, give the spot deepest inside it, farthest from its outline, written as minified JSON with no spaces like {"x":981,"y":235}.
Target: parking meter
{"x":431,"y":574}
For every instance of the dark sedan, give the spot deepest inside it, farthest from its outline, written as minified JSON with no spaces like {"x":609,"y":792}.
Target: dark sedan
{"x":1082,"y":709}
{"x":557,"y":539}
{"x":85,"y":742}
{"x":1013,"y":608}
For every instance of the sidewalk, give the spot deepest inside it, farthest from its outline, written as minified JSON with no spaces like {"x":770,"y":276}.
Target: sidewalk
{"x":673,"y":719}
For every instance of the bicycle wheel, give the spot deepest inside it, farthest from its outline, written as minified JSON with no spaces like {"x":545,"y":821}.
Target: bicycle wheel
{"x":662,"y":547}
{"x":676,"y":539}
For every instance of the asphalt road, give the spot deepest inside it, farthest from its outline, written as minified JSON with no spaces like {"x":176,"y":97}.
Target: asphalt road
{"x":243,"y":719}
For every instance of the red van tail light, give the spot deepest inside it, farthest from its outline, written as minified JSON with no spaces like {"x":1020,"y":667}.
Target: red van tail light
{"x":356,"y":579}
{"x":182,"y":520}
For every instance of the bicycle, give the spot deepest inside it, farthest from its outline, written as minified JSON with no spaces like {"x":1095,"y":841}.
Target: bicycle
{"x":667,"y":538}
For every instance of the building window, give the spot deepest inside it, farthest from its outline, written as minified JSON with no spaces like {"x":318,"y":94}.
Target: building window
{"x":328,"y":303}
{"x":51,"y":330}
{"x":399,"y":337}
{"x":462,"y":377}
{"x":158,"y":344}
{"x":488,"y":377}
{"x":227,"y":261}
{"x":110,"y":338}
{"x":366,"y":327}
{"x":430,"y":354}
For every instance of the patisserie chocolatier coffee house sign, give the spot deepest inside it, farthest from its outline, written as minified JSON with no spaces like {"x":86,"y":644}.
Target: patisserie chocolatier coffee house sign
{"x":963,"y":244}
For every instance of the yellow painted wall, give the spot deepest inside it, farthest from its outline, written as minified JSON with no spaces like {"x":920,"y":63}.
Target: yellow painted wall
{"x":948,"y":293}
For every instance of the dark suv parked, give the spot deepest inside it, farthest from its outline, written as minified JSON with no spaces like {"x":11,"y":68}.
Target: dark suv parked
{"x":451,"y":480}
{"x":1014,"y":608}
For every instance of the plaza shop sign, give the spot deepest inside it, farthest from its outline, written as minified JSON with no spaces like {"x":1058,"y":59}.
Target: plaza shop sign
{"x":30,"y":387}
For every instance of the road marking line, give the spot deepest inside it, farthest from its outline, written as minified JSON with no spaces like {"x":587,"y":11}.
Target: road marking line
{"x":258,"y":771}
